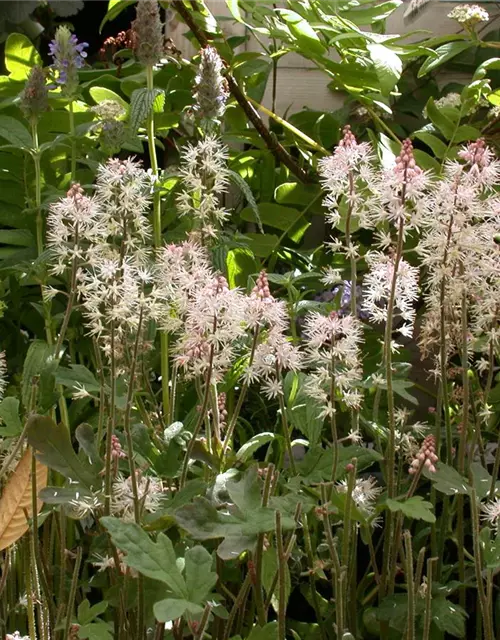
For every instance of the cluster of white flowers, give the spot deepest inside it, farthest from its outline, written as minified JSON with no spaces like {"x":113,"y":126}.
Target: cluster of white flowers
{"x":469,"y":14}
{"x":364,"y":494}
{"x":346,"y":173}
{"x":212,"y":327}
{"x":449,"y":100}
{"x":273,"y":353}
{"x":105,"y":238}
{"x":205,"y":179}
{"x":460,"y":219}
{"x":377,"y":289}
{"x":149,"y":493}
{"x":332,"y":349}
{"x":491,"y":513}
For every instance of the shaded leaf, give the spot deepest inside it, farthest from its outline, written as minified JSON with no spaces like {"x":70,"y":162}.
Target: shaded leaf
{"x":447,"y":480}
{"x":9,"y":413}
{"x":415,"y":507}
{"x":53,"y":448}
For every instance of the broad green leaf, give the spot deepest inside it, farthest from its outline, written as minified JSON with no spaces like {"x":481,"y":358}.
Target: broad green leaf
{"x":86,"y":613}
{"x":247,"y":192}
{"x":367,"y":16}
{"x":481,"y":480}
{"x":200,"y":579}
{"x":9,"y":413}
{"x":240,"y":527}
{"x":388,"y":66}
{"x":39,"y":353}
{"x":77,"y":376}
{"x":156,"y":560}
{"x":17,"y":237}
{"x":438,"y":118}
{"x":64,"y":495}
{"x":273,"y":215}
{"x":269,"y":570}
{"x":268,"y":632}
{"x":99,"y":630}
{"x":262,"y":245}
{"x":20,"y":56}
{"x":415,"y":507}
{"x":15,"y":132}
{"x":448,"y":617}
{"x":240,"y":264}
{"x":103,"y":93}
{"x":480,"y":72}
{"x":246,"y":451}
{"x":490,"y":545}
{"x":173,"y":608}
{"x":115,"y":7}
{"x":443,"y":54}
{"x":303,"y":412}
{"x":437,"y":146}
{"x":141,"y":103}
{"x":86,"y":439}
{"x":296,"y":193}
{"x":466,"y":133}
{"x":307,"y":39}
{"x":447,"y":480}
{"x":53,"y":448}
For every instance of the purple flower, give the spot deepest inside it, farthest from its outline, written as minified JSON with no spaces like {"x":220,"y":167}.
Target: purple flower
{"x":68,"y":56}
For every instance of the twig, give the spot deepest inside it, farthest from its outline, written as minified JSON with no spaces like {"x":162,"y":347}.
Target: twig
{"x":271,"y":141}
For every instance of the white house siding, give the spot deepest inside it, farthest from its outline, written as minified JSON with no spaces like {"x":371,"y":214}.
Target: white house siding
{"x":299,"y":84}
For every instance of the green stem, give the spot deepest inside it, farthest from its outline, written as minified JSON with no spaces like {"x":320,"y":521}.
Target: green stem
{"x":72,"y":592}
{"x":410,"y":635}
{"x":73,"y":141}
{"x":282,"y":562}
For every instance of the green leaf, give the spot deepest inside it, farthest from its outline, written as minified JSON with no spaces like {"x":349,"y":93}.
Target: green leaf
{"x":85,"y":436}
{"x":262,"y":245}
{"x":86,"y":613}
{"x":437,"y":146}
{"x":15,"y":132}
{"x":448,"y":617}
{"x":367,"y":16}
{"x":77,"y":376}
{"x":273,"y":215}
{"x":447,"y":480}
{"x":269,"y":570}
{"x":9,"y":413}
{"x":200,"y":579}
{"x":296,"y":193}
{"x":246,"y":451}
{"x":481,"y":480}
{"x":99,"y":630}
{"x":141,"y":103}
{"x":103,"y":93}
{"x":438,"y":118}
{"x":307,"y":39}
{"x":466,"y":133}
{"x":490,"y":548}
{"x":36,"y":359}
{"x":388,"y":66}
{"x":415,"y":507}
{"x":20,"y":56}
{"x":240,"y":264}
{"x":268,"y":632}
{"x":303,"y":412}
{"x":443,"y":54}
{"x":173,"y":608}
{"x":156,"y":560}
{"x":115,"y":7}
{"x":53,"y":448}
{"x":247,"y":192}
{"x":240,"y":527}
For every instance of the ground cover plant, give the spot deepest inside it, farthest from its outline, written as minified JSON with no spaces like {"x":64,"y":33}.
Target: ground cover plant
{"x":249,"y":368}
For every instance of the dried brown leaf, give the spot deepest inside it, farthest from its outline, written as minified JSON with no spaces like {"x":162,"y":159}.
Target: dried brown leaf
{"x":16,"y":501}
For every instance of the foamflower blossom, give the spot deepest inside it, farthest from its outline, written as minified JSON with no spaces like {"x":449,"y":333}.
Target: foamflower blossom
{"x":213,"y":325}
{"x":364,"y":494}
{"x":149,"y":493}
{"x":205,"y":180}
{"x":377,"y":290}
{"x":460,"y":220}
{"x":272,"y":353}
{"x":490,"y":513}
{"x":332,"y":350}
{"x":345,"y":174}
